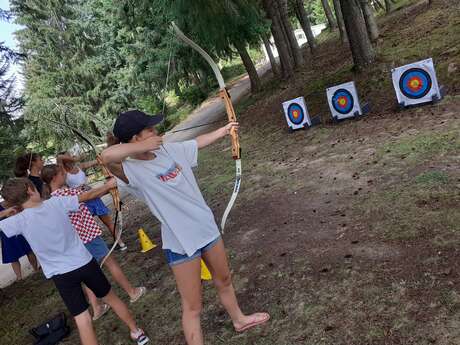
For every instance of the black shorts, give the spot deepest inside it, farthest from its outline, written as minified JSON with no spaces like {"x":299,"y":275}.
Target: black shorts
{"x":71,"y":291}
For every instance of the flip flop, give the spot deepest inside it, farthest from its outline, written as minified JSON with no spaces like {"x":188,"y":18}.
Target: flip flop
{"x":261,"y":318}
{"x":141,"y":292}
{"x":105,"y":309}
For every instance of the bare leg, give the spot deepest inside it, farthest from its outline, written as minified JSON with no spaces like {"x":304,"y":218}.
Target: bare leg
{"x":121,"y":310}
{"x":216,"y":260}
{"x":119,"y":276}
{"x":16,"y":266}
{"x":188,"y":281}
{"x":107,"y":220}
{"x":85,"y":328}
{"x":33,"y":260}
{"x":95,"y":304}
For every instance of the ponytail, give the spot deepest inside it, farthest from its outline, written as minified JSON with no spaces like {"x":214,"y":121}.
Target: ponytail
{"x":48,"y":173}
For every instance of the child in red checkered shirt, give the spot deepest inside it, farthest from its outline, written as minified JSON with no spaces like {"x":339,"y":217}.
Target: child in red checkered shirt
{"x":90,"y":233}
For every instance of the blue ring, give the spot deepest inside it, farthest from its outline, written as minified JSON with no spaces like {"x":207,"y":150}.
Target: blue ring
{"x":343,"y":93}
{"x":291,"y":108}
{"x":415,"y":72}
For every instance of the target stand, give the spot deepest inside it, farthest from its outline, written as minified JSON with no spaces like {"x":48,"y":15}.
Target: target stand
{"x":416,"y":84}
{"x":297,"y":116}
{"x":344,"y":102}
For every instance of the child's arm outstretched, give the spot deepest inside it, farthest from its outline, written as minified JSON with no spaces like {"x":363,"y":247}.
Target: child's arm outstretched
{"x":208,"y":138}
{"x":117,"y":153}
{"x":64,"y":159}
{"x":97,"y":192}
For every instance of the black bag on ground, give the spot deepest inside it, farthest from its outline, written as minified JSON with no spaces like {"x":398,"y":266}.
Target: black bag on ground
{"x":51,"y":331}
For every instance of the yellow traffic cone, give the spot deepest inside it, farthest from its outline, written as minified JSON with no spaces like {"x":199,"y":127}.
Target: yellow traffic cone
{"x":205,"y":274}
{"x":146,"y":243}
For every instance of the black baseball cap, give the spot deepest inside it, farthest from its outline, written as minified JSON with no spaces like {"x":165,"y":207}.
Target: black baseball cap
{"x":132,"y":122}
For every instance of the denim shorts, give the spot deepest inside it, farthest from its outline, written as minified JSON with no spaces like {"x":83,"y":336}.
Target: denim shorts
{"x":97,"y":207}
{"x":176,"y":259}
{"x":97,"y":248}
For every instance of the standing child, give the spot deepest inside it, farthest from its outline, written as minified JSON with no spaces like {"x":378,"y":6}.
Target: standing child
{"x":90,"y":233}
{"x":76,"y":178}
{"x":161,"y":175}
{"x":30,"y":165}
{"x":14,"y":248}
{"x":64,"y":258}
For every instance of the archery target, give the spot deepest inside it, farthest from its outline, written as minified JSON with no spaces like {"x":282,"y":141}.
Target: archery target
{"x":343,"y":101}
{"x":416,"y":83}
{"x":296,"y":113}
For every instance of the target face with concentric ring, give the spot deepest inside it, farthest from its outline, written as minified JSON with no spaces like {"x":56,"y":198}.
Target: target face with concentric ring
{"x":343,"y":101}
{"x":415,"y":83}
{"x":295,"y":113}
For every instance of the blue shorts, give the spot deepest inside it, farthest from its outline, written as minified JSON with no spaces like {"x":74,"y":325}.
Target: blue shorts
{"x":13,"y":248}
{"x":97,"y":207}
{"x":97,"y":248}
{"x":176,"y":259}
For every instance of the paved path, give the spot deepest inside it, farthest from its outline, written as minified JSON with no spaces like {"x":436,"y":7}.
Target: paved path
{"x":211,"y":110}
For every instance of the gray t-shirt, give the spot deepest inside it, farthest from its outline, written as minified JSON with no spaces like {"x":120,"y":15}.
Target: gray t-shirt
{"x":168,"y":187}
{"x":50,"y":234}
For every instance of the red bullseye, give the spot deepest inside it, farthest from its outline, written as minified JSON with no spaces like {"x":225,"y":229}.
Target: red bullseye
{"x":343,"y":102}
{"x":415,"y":84}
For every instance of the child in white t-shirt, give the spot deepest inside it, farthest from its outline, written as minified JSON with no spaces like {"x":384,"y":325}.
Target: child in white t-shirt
{"x":62,"y":255}
{"x":85,"y":225}
{"x":161,"y":175}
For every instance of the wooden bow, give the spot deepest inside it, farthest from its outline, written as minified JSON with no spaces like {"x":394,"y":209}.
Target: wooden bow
{"x":225,"y":96}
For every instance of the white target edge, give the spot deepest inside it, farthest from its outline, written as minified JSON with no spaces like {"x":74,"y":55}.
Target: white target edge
{"x":428,"y":66}
{"x":301,"y":102}
{"x":350,"y":87}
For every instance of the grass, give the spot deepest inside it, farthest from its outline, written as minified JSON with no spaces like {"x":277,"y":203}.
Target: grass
{"x":422,"y":146}
{"x":422,"y":209}
{"x":432,"y":178}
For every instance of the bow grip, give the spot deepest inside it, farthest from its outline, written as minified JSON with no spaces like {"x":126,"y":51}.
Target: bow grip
{"x":236,"y":149}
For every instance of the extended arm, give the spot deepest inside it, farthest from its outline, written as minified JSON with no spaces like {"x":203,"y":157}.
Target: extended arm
{"x":66,"y":159}
{"x":97,"y":192}
{"x":208,"y":138}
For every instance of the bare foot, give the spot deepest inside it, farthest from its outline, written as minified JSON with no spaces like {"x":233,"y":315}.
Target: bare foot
{"x":250,"y":321}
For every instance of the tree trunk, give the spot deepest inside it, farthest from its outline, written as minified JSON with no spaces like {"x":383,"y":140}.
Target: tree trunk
{"x":289,"y":32}
{"x":388,"y":6}
{"x":271,"y":57}
{"x":249,"y":65}
{"x":340,"y":23}
{"x":304,"y":21}
{"x":371,"y":22}
{"x":329,"y":14}
{"x":287,"y":65}
{"x":279,"y":23}
{"x":360,"y":44}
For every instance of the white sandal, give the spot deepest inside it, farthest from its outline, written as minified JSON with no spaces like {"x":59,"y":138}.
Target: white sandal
{"x":105,"y":309}
{"x":141,"y":292}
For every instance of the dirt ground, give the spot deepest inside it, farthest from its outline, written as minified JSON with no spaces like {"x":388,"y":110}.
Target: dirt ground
{"x":346,"y":233}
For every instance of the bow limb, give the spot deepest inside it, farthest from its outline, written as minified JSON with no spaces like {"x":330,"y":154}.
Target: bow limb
{"x":225,"y":95}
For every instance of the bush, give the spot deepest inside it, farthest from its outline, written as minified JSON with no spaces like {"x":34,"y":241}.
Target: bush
{"x":193,"y":95}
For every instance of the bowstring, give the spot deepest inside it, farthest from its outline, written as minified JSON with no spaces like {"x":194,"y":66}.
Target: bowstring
{"x":165,"y":90}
